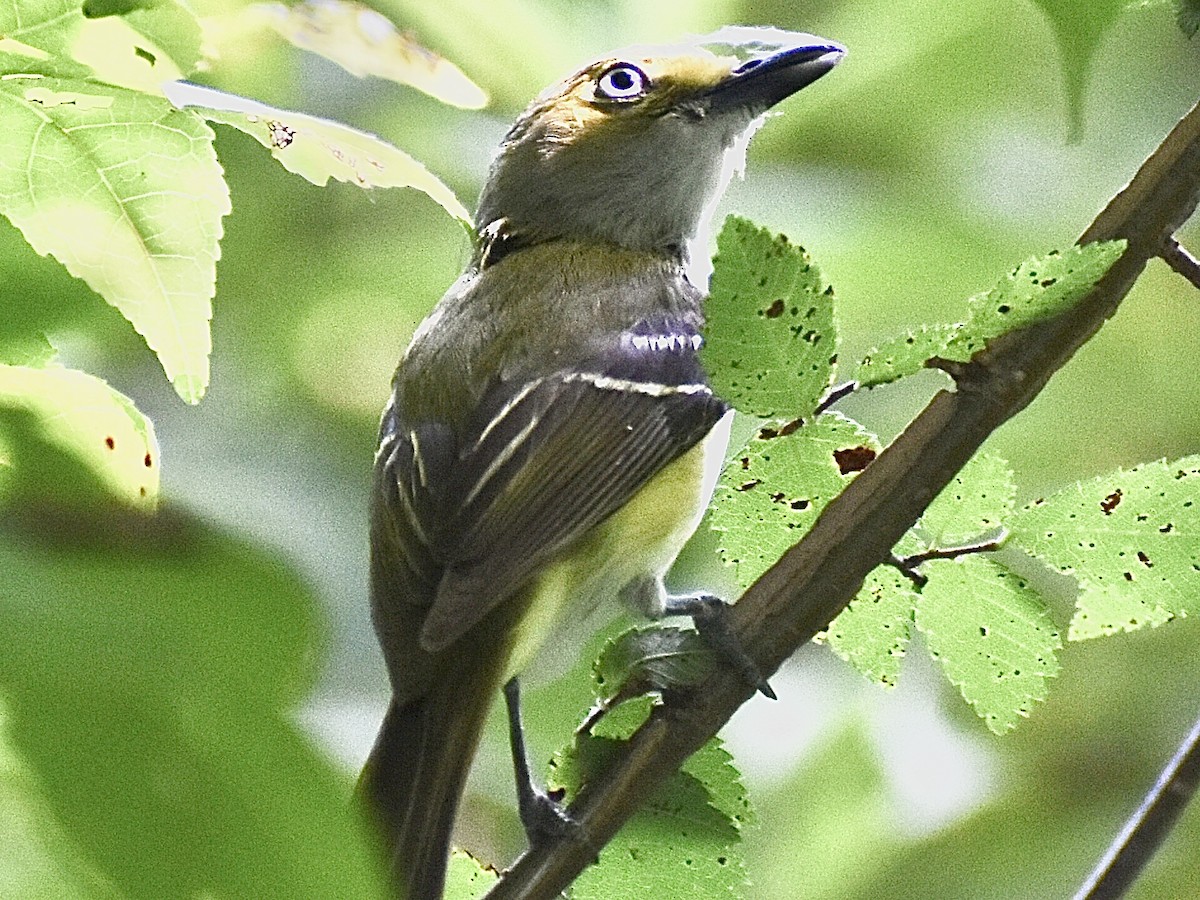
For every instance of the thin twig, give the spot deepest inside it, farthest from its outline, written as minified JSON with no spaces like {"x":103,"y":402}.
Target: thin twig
{"x":1181,"y":260}
{"x":907,"y":565}
{"x":814,"y":580}
{"x":1149,"y":826}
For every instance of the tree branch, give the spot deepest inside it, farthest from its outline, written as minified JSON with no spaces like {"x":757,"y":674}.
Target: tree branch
{"x":811,"y":583}
{"x":1149,"y":826}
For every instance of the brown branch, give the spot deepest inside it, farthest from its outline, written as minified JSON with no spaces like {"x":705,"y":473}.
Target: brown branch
{"x":802,"y":593}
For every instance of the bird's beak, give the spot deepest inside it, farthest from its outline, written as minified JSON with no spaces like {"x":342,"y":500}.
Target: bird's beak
{"x":775,"y":64}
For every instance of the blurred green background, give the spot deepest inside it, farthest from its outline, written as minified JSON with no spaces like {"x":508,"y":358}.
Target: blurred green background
{"x":930,"y":163}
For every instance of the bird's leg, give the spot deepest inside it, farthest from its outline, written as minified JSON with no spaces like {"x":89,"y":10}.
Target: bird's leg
{"x":710,"y":614}
{"x":542,"y":816}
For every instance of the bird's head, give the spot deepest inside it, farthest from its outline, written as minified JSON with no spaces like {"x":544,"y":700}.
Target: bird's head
{"x":636,"y":148}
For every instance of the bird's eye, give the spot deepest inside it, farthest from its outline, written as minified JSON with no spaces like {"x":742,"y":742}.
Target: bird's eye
{"x":622,"y":82}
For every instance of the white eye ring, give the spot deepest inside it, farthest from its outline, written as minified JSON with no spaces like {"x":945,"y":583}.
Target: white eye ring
{"x":623,"y":81}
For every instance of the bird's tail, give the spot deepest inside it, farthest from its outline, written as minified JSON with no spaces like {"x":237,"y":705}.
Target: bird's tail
{"x":415,"y":776}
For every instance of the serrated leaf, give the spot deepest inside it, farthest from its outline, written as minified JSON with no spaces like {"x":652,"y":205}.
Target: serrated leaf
{"x":978,"y":500}
{"x":97,"y":424}
{"x":1038,"y":289}
{"x":770,"y":341}
{"x":318,"y":149}
{"x":873,"y":632}
{"x":999,"y":648}
{"x":1079,"y":28}
{"x":126,"y":192}
{"x":903,"y":355}
{"x":680,"y":843}
{"x":365,"y":42}
{"x":1131,"y":539}
{"x":771,"y":492}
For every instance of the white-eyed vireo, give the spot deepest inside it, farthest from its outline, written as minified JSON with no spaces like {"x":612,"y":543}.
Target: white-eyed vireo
{"x":551,"y":439}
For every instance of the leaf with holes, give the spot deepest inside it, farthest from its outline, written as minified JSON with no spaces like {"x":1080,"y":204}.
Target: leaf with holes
{"x":992,"y":634}
{"x":976,"y":503}
{"x":770,"y":341}
{"x":1131,"y":539}
{"x":686,"y":838}
{"x":771,"y":492}
{"x":1038,"y":289}
{"x":126,"y":192}
{"x":904,"y":355}
{"x":873,"y":632}
{"x":318,"y":149}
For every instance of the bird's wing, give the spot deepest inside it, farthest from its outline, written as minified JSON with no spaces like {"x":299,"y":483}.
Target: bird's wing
{"x":544,"y":461}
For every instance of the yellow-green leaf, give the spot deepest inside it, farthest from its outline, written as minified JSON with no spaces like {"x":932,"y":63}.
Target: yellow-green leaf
{"x":365,"y":42}
{"x":318,"y":149}
{"x":99,"y":425}
{"x":126,"y":192}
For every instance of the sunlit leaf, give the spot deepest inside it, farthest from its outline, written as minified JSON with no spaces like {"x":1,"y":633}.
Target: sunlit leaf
{"x":126,"y":192}
{"x":100,"y":426}
{"x":1038,"y":289}
{"x":976,"y":502}
{"x":903,"y":355}
{"x":365,"y":42}
{"x":1130,"y":538}
{"x":769,"y":341}
{"x":683,"y":841}
{"x":318,"y":149}
{"x":771,"y":492}
{"x":466,"y":878}
{"x":873,"y":632}
{"x":150,"y":44}
{"x":992,"y":634}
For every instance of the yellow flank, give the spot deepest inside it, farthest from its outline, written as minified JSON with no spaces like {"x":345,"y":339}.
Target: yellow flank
{"x":640,"y":539}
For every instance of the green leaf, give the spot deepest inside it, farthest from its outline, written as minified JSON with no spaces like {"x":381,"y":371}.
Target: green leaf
{"x":1038,"y":289}
{"x":365,"y":42}
{"x":771,"y":492}
{"x":152,"y":674}
{"x":48,"y":25}
{"x":980,"y":499}
{"x":903,"y":355}
{"x":139,"y":50}
{"x":873,"y":632}
{"x":769,"y":340}
{"x":32,"y":350}
{"x":653,"y":658}
{"x":1079,"y":27}
{"x":466,"y":879}
{"x":684,"y":841}
{"x":1131,"y":539}
{"x":100,"y":426}
{"x":126,"y":192}
{"x":317,"y":149}
{"x":993,"y":636}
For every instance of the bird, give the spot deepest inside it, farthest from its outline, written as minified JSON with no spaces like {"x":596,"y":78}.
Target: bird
{"x":551,"y":439}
